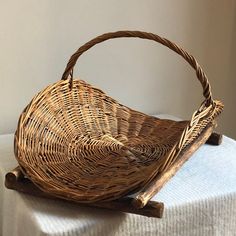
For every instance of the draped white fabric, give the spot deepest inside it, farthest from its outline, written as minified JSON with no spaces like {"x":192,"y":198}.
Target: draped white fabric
{"x":199,"y":200}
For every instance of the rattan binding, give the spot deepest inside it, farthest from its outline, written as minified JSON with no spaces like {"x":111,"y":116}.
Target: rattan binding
{"x":76,"y":142}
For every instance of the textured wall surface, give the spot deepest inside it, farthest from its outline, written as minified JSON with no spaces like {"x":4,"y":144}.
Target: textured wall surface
{"x":38,"y":37}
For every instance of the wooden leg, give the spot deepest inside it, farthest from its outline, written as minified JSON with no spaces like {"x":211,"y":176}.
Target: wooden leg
{"x":215,"y":139}
{"x":15,"y":180}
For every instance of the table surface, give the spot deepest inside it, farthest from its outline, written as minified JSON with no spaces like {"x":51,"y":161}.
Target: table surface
{"x":199,"y":200}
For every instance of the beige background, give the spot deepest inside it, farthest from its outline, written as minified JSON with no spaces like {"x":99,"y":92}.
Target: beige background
{"x":37,"y":38}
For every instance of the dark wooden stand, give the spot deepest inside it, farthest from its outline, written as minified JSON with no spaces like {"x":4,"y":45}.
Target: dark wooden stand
{"x":17,"y":181}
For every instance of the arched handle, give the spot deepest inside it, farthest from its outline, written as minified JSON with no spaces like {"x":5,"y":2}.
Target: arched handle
{"x":144,"y":35}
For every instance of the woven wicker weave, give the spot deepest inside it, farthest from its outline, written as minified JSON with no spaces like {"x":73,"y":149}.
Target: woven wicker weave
{"x":76,"y":142}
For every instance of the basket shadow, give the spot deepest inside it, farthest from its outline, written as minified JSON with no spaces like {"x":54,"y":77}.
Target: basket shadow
{"x":73,"y":216}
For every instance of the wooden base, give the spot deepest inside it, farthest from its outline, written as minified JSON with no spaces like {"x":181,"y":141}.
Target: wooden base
{"x":140,"y":204}
{"x":16,"y":180}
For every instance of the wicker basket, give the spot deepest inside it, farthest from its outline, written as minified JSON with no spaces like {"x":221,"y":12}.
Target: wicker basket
{"x":76,"y":142}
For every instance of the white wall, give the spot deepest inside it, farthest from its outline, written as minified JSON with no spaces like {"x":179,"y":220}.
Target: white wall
{"x":37,"y":38}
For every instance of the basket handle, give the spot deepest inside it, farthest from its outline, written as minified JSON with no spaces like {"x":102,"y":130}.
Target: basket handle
{"x":144,"y":35}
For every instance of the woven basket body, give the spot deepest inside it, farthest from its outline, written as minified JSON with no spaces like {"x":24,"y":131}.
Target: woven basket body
{"x":76,"y":142}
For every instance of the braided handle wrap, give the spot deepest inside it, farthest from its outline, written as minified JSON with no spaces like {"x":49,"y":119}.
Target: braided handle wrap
{"x":144,"y":35}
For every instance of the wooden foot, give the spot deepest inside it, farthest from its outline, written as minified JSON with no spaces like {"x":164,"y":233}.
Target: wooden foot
{"x":215,"y":139}
{"x":15,"y":180}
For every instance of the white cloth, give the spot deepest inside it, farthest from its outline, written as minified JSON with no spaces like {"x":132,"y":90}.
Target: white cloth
{"x":199,"y":200}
